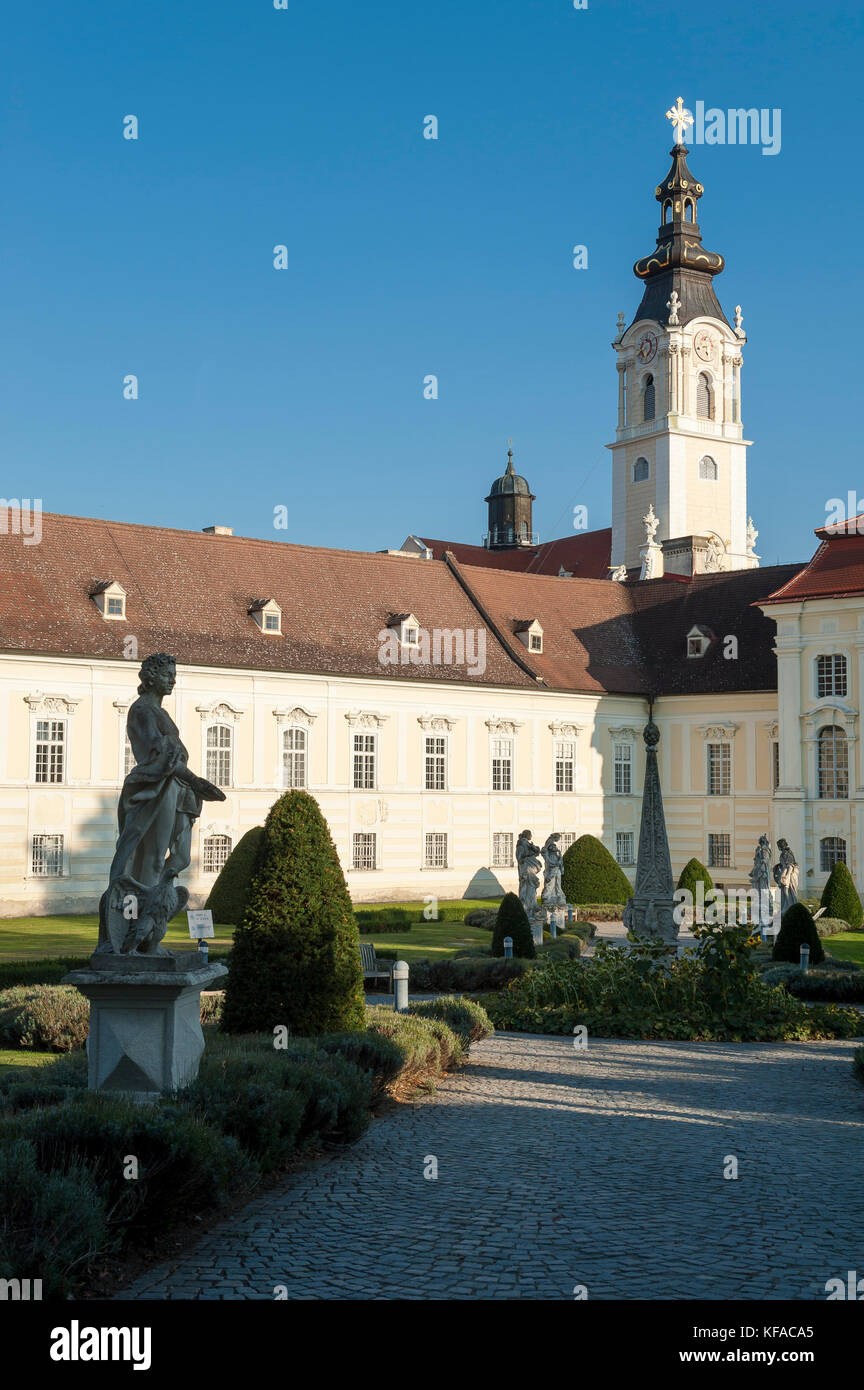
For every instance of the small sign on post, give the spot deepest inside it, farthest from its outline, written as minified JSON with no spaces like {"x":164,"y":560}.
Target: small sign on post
{"x":201,"y":926}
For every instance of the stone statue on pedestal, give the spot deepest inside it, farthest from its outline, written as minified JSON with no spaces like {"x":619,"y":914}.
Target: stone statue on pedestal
{"x":760,"y":878}
{"x":528,"y":865}
{"x":786,"y":876}
{"x":553,"y":859}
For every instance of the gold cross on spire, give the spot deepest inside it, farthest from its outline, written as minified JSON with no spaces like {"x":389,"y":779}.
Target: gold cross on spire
{"x":680,"y":118}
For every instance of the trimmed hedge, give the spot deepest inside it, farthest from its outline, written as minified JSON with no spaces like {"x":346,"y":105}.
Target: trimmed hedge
{"x":296,"y":957}
{"x":797,"y":927}
{"x":830,"y":926}
{"x":836,"y":986}
{"x":48,"y":971}
{"x":694,"y":872}
{"x":591,"y":874}
{"x":466,"y":1017}
{"x":461,"y":975}
{"x":44,"y":1018}
{"x":840,"y":897}
{"x":484,"y":917}
{"x":373,"y":922}
{"x":230,"y":893}
{"x":512,"y":920}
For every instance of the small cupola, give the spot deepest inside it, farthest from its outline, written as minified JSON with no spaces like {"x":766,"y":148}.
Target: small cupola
{"x":530,"y":634}
{"x":110,"y":598}
{"x":510,"y":516}
{"x":268,"y":616}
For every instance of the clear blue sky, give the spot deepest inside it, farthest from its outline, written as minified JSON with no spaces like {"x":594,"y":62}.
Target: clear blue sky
{"x":407,"y":256}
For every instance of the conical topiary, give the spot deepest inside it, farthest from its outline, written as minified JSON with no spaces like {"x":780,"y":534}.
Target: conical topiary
{"x":512,"y":920}
{"x":694,"y":872}
{"x":797,"y":926}
{"x":296,"y":957}
{"x":840,"y":897}
{"x":230,"y":893}
{"x":591,"y":875}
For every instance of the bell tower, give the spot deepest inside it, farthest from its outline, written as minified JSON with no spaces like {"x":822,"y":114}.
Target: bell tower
{"x":509,"y":501}
{"x":679,"y":446}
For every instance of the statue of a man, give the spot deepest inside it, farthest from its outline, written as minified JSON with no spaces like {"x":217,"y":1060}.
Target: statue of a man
{"x":553,"y":859}
{"x":158,"y":804}
{"x":760,"y":878}
{"x":528,"y":866}
{"x":786,"y":876}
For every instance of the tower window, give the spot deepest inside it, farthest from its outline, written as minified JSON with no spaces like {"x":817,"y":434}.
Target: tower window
{"x":641,"y":471}
{"x":708,"y":469}
{"x":704,"y":397}
{"x":688,"y":211}
{"x":648,"y":399}
{"x":667,"y":208}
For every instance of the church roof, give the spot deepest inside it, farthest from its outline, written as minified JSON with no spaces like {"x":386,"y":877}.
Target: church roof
{"x":585,"y":555}
{"x":836,"y":570}
{"x":189,"y":593}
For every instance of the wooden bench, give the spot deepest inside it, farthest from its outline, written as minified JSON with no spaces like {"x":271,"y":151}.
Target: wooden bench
{"x":375,"y":969}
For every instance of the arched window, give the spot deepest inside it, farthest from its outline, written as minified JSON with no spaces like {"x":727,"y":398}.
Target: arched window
{"x":832,"y":850}
{"x":833,"y":764}
{"x":216,"y":851}
{"x":294,"y":758}
{"x":688,"y":211}
{"x":648,"y":399}
{"x":830,"y":675}
{"x":667,"y":208}
{"x":708,"y":469}
{"x":220,"y":747}
{"x":704,"y":397}
{"x":641,"y":470}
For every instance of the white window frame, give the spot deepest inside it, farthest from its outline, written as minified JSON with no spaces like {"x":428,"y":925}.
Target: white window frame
{"x":565,"y":762}
{"x":722,"y":764}
{"x":498,"y":755}
{"x":622,"y":764}
{"x":212,"y":775}
{"x":290,"y":731}
{"x":498,"y":862}
{"x":629,"y":836}
{"x":712,"y":863}
{"x":436,"y":841}
{"x":442,"y":754}
{"x":366,"y":836}
{"x":57,"y":835}
{"x":370,"y":752}
{"x":839,"y":855}
{"x":63,"y":741}
{"x":839,"y":675}
{"x":708,"y":477}
{"x":568,"y":838}
{"x":127,"y":757}
{"x":206,"y":841}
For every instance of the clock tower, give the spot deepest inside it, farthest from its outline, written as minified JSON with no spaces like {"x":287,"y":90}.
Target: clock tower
{"x":679,"y":446}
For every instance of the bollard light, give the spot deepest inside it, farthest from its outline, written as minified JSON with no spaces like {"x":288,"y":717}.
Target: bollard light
{"x":400,"y":986}
{"x":203,"y":950}
{"x":553,"y":927}
{"x":804,"y":956}
{"x":508,"y":947}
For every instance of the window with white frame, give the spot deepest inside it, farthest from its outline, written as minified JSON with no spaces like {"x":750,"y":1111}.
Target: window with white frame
{"x":364,"y":850}
{"x":50,"y":763}
{"x":832,"y":850}
{"x":46,"y":856}
{"x":775,"y":763}
{"x":720,"y":851}
{"x":364,"y":758}
{"x":294,"y":758}
{"x":708,"y":469}
{"x":831,"y":675}
{"x":502,"y":765}
{"x":565,"y":765}
{"x":435,"y":851}
{"x":271,"y":622}
{"x":624,"y":844}
{"x":115,"y":606}
{"x":502,"y":849}
{"x":216,"y":849}
{"x":435,"y":763}
{"x":833,"y":764}
{"x":220,"y":749}
{"x":128,"y":756}
{"x":719,"y":769}
{"x":623,"y":766}
{"x":568,"y":838}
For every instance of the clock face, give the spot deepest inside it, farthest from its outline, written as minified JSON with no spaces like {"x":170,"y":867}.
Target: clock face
{"x":647,"y":347}
{"x":704,"y":345}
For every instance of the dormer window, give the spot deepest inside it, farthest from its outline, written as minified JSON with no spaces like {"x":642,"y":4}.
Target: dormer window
{"x":268,"y":616}
{"x":530,"y":633}
{"x":110,"y":598}
{"x":699,"y":639}
{"x":407,"y":627}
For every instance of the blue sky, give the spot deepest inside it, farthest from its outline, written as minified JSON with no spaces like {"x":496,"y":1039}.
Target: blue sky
{"x":304,"y":387}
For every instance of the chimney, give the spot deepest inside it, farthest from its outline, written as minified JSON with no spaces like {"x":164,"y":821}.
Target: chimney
{"x":218,"y":530}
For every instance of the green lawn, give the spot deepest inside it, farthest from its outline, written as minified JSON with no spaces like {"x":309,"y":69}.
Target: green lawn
{"x":25,"y":938}
{"x":847,"y":945}
{"x":429,"y":940}
{"x":12,"y":1057}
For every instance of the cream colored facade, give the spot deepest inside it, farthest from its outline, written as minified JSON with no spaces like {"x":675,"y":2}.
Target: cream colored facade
{"x":88,"y":701}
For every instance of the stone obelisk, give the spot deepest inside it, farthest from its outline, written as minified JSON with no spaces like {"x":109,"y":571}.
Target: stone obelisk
{"x":650,"y":911}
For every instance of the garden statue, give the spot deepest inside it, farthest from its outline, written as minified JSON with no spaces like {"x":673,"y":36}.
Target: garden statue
{"x":786,"y":876}
{"x":760,"y":878}
{"x":553,"y":859}
{"x":528,"y":866}
{"x":159,"y":801}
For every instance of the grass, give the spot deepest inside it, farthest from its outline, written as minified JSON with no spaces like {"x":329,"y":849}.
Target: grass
{"x":20,"y":1057}
{"x":847,"y":945}
{"x":33,"y":938}
{"x":420,"y":907}
{"x":429,"y":940}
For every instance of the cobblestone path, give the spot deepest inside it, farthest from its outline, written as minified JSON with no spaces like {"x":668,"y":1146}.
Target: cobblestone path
{"x":557,"y":1169}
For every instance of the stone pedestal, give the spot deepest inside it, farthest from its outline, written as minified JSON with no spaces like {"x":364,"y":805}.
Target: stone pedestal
{"x":145,"y":1022}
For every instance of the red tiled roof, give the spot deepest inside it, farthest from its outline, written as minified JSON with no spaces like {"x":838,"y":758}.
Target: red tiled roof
{"x":585,"y":555}
{"x":836,"y":570}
